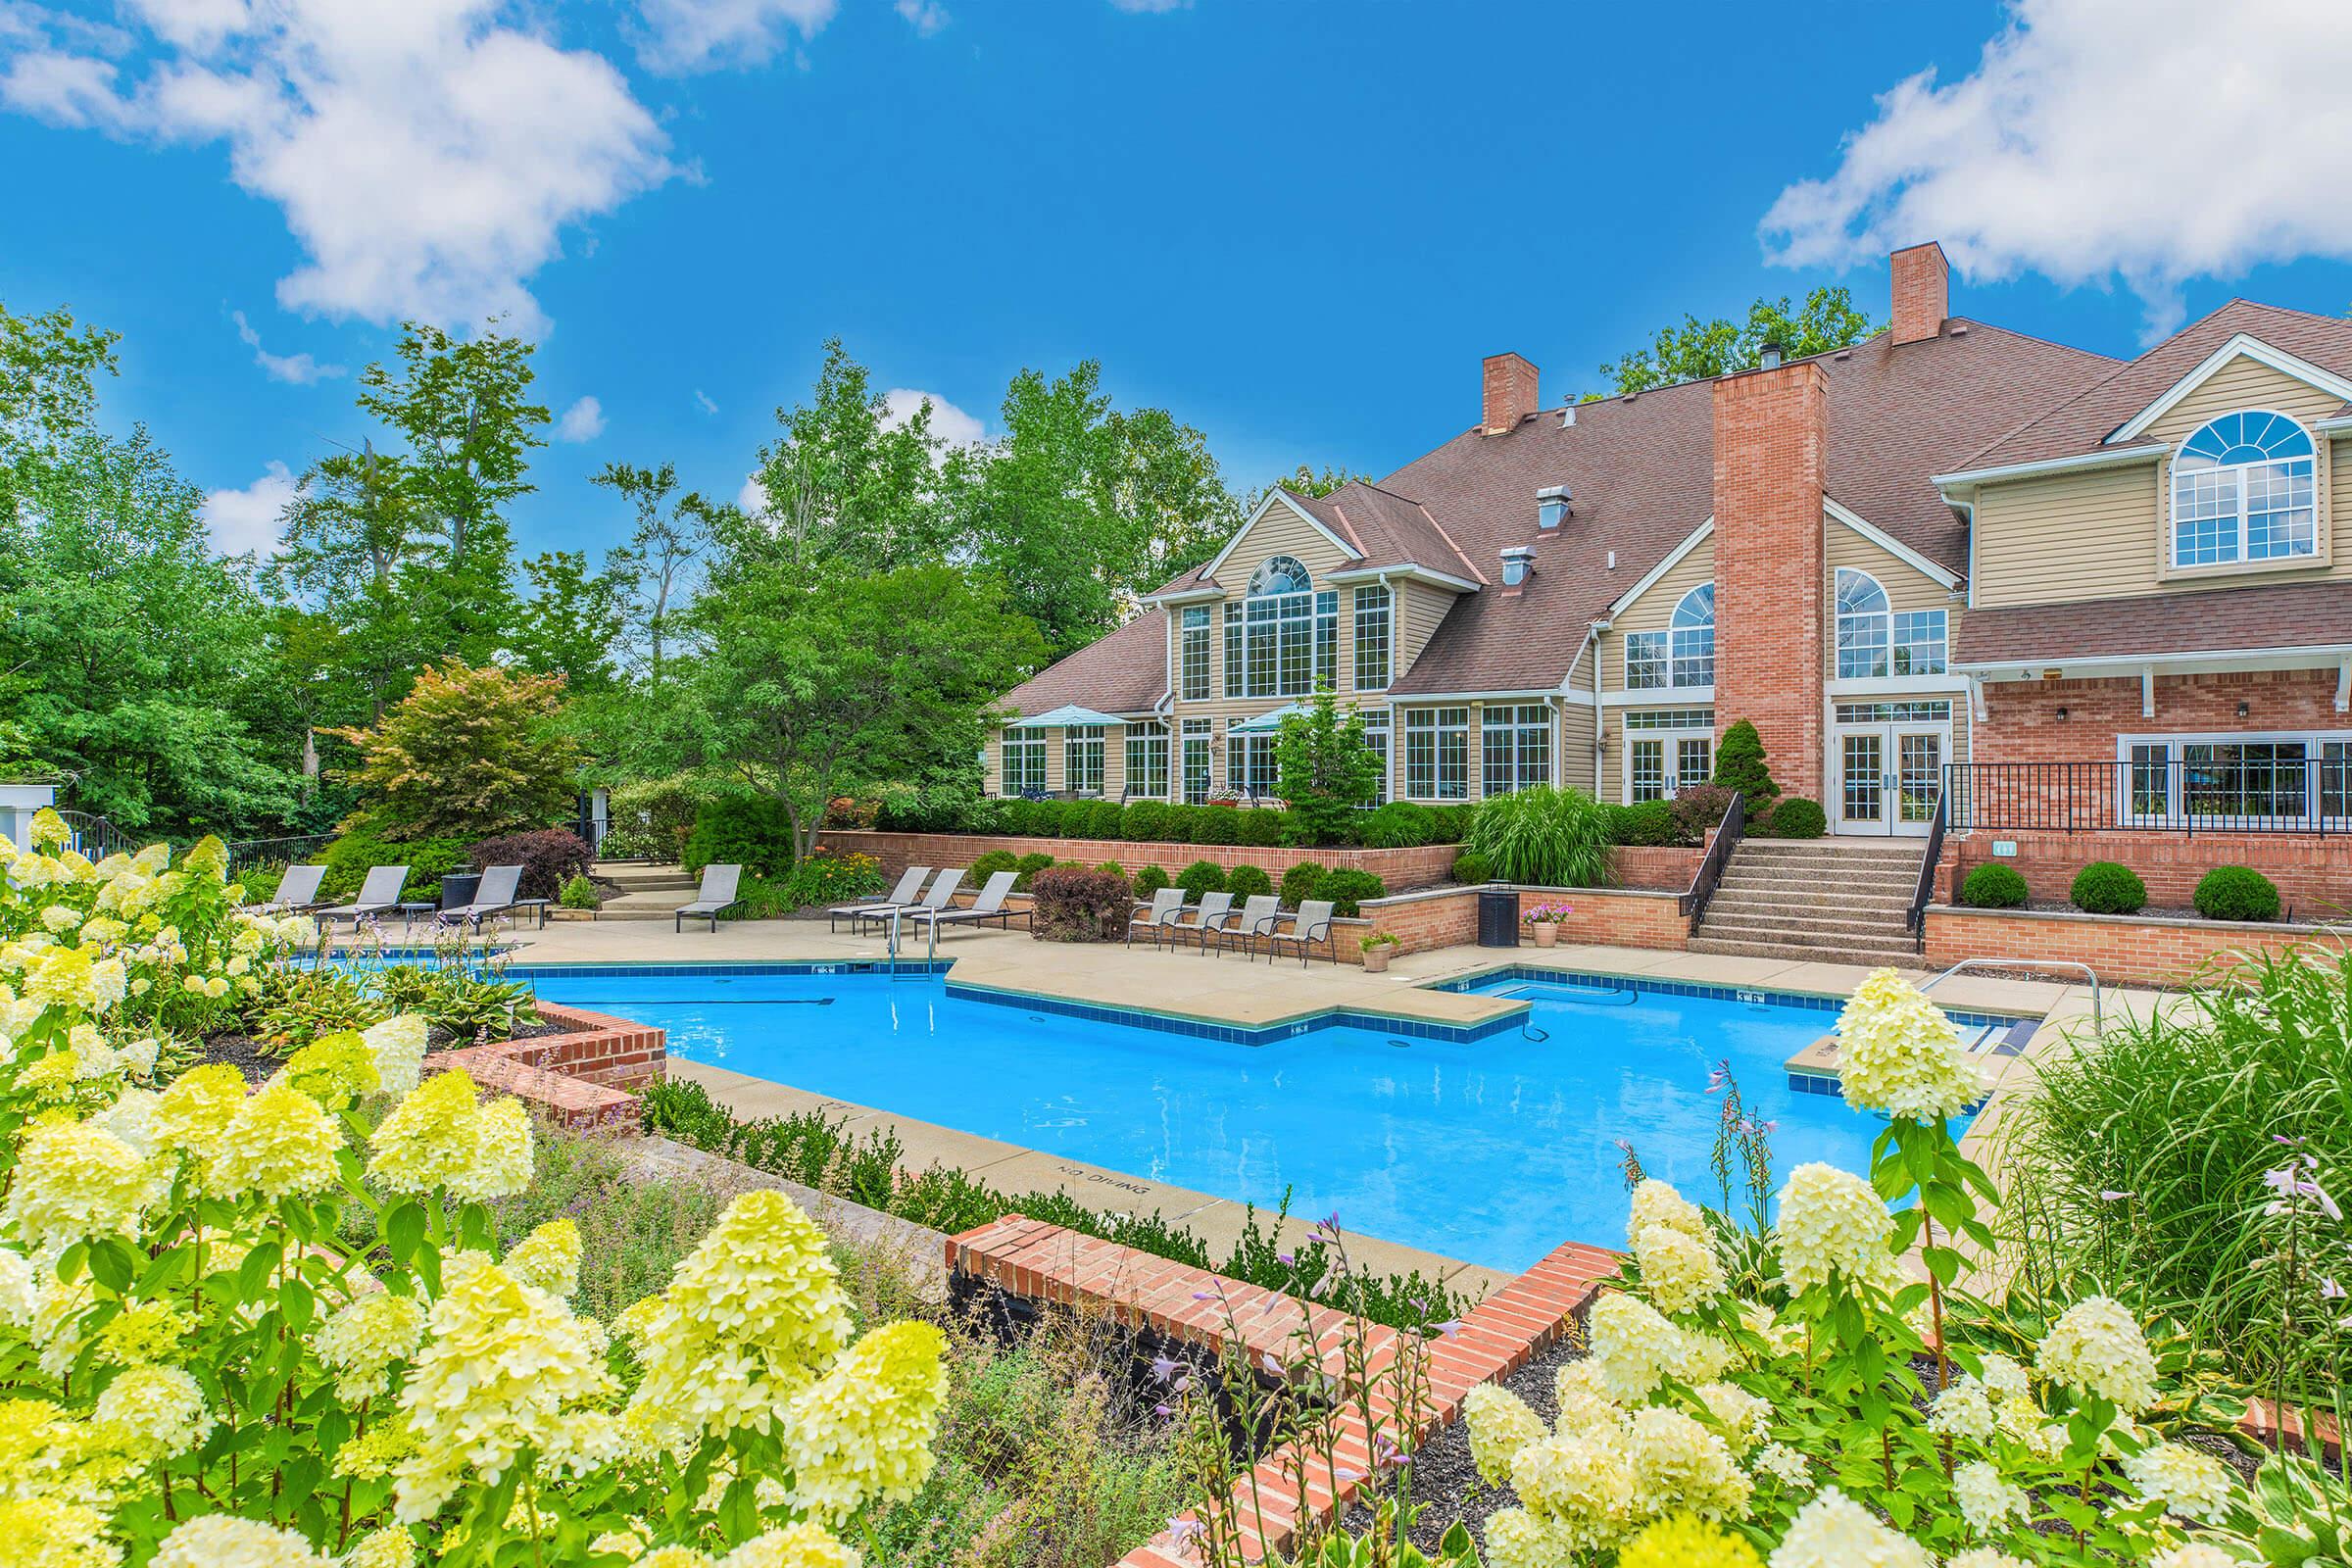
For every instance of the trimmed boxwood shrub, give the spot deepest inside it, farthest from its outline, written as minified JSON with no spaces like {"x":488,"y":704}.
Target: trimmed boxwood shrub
{"x":1248,"y":882}
{"x":1201,"y":876}
{"x":1300,"y":882}
{"x":1993,"y":887}
{"x":988,"y":864}
{"x":1261,"y":827}
{"x":1347,"y":890}
{"x":1451,"y":824}
{"x":753,"y":831}
{"x":1471,"y":866}
{"x":1070,"y":903}
{"x":1028,"y":865}
{"x":1399,"y":825}
{"x":1102,"y":819}
{"x":350,"y":858}
{"x":1147,"y":821}
{"x":549,"y":857}
{"x":2105,"y":888}
{"x":1647,"y":822}
{"x":1216,"y":824}
{"x":1796,"y":818}
{"x":1150,"y":880}
{"x":2236,"y":892}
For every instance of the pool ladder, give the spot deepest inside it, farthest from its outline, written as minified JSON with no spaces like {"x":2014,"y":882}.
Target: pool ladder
{"x":931,"y":962}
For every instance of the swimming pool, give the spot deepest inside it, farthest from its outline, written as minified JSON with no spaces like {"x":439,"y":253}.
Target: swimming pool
{"x":1493,"y":1150}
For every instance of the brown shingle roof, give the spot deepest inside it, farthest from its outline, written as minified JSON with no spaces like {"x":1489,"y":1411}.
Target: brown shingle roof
{"x":2249,"y":620}
{"x":1126,"y":673}
{"x":1642,"y":475}
{"x":2080,"y":424}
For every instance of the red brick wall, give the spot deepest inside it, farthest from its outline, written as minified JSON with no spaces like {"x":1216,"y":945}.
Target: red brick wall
{"x":2120,"y":950}
{"x":1615,"y":916}
{"x":2021,"y":722}
{"x":2314,"y":874}
{"x":1922,"y":291}
{"x":1770,"y":430}
{"x":580,"y":1078}
{"x":1508,"y":394}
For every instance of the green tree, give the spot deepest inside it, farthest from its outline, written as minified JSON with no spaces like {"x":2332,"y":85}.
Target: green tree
{"x":1740,"y":765}
{"x":845,"y":484}
{"x":653,"y":571}
{"x":1697,"y":348}
{"x":1325,"y":769}
{"x":807,"y":685}
{"x":468,"y":752}
{"x":574,"y":623}
{"x":1305,"y":481}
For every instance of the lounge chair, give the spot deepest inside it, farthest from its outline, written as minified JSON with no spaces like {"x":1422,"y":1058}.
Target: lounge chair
{"x":493,"y":898}
{"x":989,"y":906}
{"x":1206,"y":918}
{"x":1310,"y":926}
{"x":910,"y":882}
{"x":379,"y":893}
{"x":296,"y":891}
{"x":1167,"y":907}
{"x":715,"y":898}
{"x":941,"y":897}
{"x":1254,"y":915}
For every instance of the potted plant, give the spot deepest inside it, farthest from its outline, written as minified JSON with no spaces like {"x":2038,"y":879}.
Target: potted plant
{"x":1378,"y":949}
{"x":1545,"y":921}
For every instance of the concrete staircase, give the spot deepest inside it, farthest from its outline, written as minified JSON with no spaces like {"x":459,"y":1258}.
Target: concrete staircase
{"x":646,"y":892}
{"x":1838,"y":901}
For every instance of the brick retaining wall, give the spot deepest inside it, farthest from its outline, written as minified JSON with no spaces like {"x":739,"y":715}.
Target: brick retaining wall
{"x":2313,"y":873}
{"x":580,"y":1078}
{"x":2133,"y":949}
{"x":1448,"y":917}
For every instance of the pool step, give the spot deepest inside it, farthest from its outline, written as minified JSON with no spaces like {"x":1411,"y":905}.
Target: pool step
{"x":1827,"y":899}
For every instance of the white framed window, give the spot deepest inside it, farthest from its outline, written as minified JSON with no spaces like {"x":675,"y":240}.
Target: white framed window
{"x":1147,"y":762}
{"x":1372,"y":623}
{"x":1874,"y":641}
{"x":1198,"y":739}
{"x":1667,"y":749}
{"x":1286,"y":641}
{"x":1376,"y":740}
{"x":1693,"y":638}
{"x":2218,"y":781}
{"x":1023,"y":762}
{"x":1645,"y":660}
{"x":2243,"y":489}
{"x":1235,"y":682}
{"x":1249,"y":766}
{"x":1193,"y":654}
{"x":1082,"y":759}
{"x":1515,"y":747}
{"x":1437,"y":753}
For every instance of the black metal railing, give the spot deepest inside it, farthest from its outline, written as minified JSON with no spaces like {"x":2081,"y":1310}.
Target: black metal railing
{"x":2286,"y":791}
{"x":1694,"y":904}
{"x":94,"y":837}
{"x":1916,"y":922}
{"x":275,"y":854}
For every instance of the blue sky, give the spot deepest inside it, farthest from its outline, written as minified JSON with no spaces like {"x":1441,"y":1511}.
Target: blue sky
{"x":1296,"y":226}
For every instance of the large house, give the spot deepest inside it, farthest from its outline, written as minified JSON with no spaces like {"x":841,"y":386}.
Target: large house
{"x":1952,"y":559}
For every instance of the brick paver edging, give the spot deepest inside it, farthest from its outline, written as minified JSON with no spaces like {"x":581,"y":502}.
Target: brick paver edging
{"x":581,"y":1078}
{"x":1045,"y":1262}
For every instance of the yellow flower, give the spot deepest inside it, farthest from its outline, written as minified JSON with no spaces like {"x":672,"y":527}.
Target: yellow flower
{"x":1634,"y":1348}
{"x":1833,"y":1531}
{"x":1517,"y":1539}
{"x":2097,"y":1348}
{"x":802,"y":1546}
{"x":398,"y":1045}
{"x":1657,"y":1202}
{"x":1583,"y":1397}
{"x":194,"y":1116}
{"x":217,"y":1541}
{"x":49,"y":830}
{"x":48,"y":1533}
{"x":145,"y":1333}
{"x":1685,"y":1542}
{"x":1897,"y":1053}
{"x":1678,"y":1271}
{"x":360,"y":1341}
{"x":862,"y":1432}
{"x":549,"y":1259}
{"x":333,"y":1069}
{"x":279,"y":1142}
{"x":153,"y":1412}
{"x":46,"y":1453}
{"x":19,"y":1288}
{"x":388,"y":1548}
{"x":74,"y":1182}
{"x":443,"y":1135}
{"x":1500,"y":1425}
{"x":1579,"y":1487}
{"x":1678,"y":1463}
{"x":1831,"y":1221}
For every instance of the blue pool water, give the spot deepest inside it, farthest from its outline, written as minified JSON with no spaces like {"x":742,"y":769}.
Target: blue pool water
{"x":1493,"y":1150}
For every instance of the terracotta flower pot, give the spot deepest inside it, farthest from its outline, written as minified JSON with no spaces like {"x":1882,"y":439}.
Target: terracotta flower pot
{"x":1547,"y":932}
{"x":1376,"y":959}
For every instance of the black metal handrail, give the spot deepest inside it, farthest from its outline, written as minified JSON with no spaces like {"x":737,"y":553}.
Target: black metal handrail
{"x":246,"y":854}
{"x":1694,"y":904}
{"x":2297,"y":788}
{"x":1916,"y":922}
{"x":94,"y":837}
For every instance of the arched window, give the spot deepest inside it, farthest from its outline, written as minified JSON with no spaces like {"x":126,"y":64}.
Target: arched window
{"x":2243,"y":491}
{"x":1286,"y":642}
{"x":1279,"y":574}
{"x":1873,"y":640}
{"x":1693,"y":638}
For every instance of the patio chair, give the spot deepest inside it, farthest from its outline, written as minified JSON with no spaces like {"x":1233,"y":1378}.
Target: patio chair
{"x":493,"y":898}
{"x":1167,"y":906}
{"x":1205,"y":920}
{"x":910,"y":882}
{"x":715,"y":898}
{"x":1310,"y":926}
{"x":989,"y":906}
{"x":1259,"y":911}
{"x":941,"y":896}
{"x":296,"y":891}
{"x":379,"y":893}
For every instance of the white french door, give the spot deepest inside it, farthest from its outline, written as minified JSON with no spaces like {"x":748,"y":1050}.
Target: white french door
{"x":1888,"y":760}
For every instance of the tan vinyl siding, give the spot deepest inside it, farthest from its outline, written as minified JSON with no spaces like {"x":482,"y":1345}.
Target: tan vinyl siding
{"x":1283,"y":531}
{"x":1654,"y":611}
{"x":1907,"y":587}
{"x":1419,"y":607}
{"x":2103,"y":534}
{"x":1575,"y":742}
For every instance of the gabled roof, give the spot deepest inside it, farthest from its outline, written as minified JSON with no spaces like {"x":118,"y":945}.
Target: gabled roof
{"x":1126,"y":673}
{"x":1374,"y":527}
{"x":2081,"y":425}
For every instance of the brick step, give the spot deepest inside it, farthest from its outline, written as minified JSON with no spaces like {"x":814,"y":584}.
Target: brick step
{"x":1810,"y":903}
{"x":1901,"y":952}
{"x":1745,"y":877}
{"x":1782,"y":927}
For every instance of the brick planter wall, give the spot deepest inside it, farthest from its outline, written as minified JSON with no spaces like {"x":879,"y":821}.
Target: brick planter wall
{"x":2133,"y":949}
{"x":580,"y":1078}
{"x":1448,"y":917}
{"x":1428,"y":866}
{"x":2313,"y":873}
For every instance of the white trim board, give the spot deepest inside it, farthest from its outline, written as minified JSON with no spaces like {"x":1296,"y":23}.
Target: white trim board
{"x":1697,"y":537}
{"x":2241,"y":345}
{"x":2120,"y":458}
{"x":1891,"y":544}
{"x":1346,"y":549}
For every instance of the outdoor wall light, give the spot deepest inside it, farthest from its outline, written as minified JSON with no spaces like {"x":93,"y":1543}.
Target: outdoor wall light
{"x":2243,"y":708}
{"x":2062,"y":715}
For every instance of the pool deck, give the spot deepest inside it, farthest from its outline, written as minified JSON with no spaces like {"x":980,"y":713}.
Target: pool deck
{"x":1227,"y":988}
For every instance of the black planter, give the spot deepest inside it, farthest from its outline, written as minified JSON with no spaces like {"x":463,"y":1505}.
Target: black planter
{"x":1499,"y":920}
{"x":458,"y":889}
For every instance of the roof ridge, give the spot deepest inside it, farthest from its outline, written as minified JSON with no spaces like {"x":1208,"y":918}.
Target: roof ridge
{"x":1476,"y":575}
{"x":1347,"y":525}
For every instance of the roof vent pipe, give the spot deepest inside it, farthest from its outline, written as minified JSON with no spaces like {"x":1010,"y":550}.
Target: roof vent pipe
{"x":1553,"y":506}
{"x":1770,"y":357}
{"x":1517,"y":561}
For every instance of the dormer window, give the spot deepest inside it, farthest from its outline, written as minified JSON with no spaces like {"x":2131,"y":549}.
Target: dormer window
{"x":2243,"y":491}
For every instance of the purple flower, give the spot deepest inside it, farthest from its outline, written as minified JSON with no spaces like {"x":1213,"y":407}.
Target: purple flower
{"x":1449,"y":1328}
{"x":1163,"y":1369}
{"x":2329,"y":1291}
{"x":1204,"y":1296}
{"x":1162,"y":1409}
{"x":1182,"y":1530}
{"x":1272,"y":1366}
{"x":1347,"y":1476}
{"x":1286,"y":1259}
{"x":2111,"y":1196}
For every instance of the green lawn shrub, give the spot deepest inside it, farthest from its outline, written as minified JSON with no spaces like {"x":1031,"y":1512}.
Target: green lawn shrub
{"x":1147,"y":821}
{"x":1150,"y":880}
{"x":349,"y":858}
{"x":1348,"y":891}
{"x":2236,"y":892}
{"x":1216,"y":824}
{"x":1795,"y":817}
{"x":1993,"y":886}
{"x":1260,"y":827}
{"x":1201,"y":876}
{"x":1300,"y":882}
{"x":753,"y":831}
{"x":1028,"y":865}
{"x":988,"y":864}
{"x":2105,"y":888}
{"x":1470,"y":866}
{"x":580,"y":894}
{"x":1645,"y":823}
{"x":1399,"y":825}
{"x":1248,"y":882}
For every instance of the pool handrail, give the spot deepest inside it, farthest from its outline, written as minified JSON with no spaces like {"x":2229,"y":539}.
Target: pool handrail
{"x":2098,"y":1018}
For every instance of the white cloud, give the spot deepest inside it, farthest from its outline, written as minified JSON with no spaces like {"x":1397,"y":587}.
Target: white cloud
{"x":687,"y":36}
{"x":752,"y":498}
{"x":2101,"y":139}
{"x":584,"y":420}
{"x":299,"y":368}
{"x":948,"y":421}
{"x":248,"y":518}
{"x":702,"y":401}
{"x":427,"y":156}
{"x":926,"y":16}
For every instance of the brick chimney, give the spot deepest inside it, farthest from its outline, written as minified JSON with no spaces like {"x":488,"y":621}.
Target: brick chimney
{"x":1923,"y":292}
{"x":1771,"y":567}
{"x":1510,"y":393}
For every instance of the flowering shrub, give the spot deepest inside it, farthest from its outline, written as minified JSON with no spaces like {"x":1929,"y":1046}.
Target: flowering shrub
{"x":1831,"y":1418}
{"x":1547,"y":914}
{"x":202,"y":1368}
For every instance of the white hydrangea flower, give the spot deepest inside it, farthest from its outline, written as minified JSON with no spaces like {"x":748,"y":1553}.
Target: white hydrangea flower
{"x":2097,"y":1348}
{"x":2006,"y":1379}
{"x":1987,"y":1501}
{"x":1581,"y":1488}
{"x":1832,"y":1220}
{"x":157,"y":1412}
{"x":1897,"y":1053}
{"x":398,"y":1044}
{"x":1680,"y":1466}
{"x":20,"y":1289}
{"x":1833,"y":1531}
{"x":1784,"y":1464}
{"x":1633,"y":1346}
{"x":220,"y":1541}
{"x":1582,"y":1399}
{"x":2194,"y":1554}
{"x":1657,"y":1202}
{"x":1517,"y":1539}
{"x":2187,"y":1480}
{"x":1679,"y":1271}
{"x":1744,"y":1417}
{"x":1962,"y":1410}
{"x":1500,"y":1425}
{"x":1986,"y":1557}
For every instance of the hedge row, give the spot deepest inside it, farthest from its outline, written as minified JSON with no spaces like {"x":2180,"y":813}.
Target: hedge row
{"x":2103,"y":887}
{"x":1397,"y":825}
